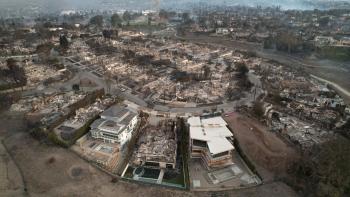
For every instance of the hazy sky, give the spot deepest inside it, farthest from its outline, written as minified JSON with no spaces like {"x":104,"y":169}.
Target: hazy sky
{"x":147,"y":4}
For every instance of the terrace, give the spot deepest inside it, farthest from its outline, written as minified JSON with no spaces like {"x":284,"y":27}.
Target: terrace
{"x":104,"y":154}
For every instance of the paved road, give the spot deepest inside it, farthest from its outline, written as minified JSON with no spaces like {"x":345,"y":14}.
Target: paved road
{"x":336,"y":86}
{"x":11,"y":179}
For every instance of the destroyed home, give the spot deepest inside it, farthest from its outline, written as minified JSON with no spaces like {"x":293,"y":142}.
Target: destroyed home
{"x":234,"y":60}
{"x":50,"y":108}
{"x":302,"y":108}
{"x":157,"y":157}
{"x":147,"y":64}
{"x":304,"y":134}
{"x":39,"y":74}
{"x":156,"y":146}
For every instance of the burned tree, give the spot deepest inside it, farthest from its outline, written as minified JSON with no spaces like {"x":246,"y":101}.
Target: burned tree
{"x":16,"y":72}
{"x":64,"y":43}
{"x":243,"y":82}
{"x":206,"y":72}
{"x":324,"y":170}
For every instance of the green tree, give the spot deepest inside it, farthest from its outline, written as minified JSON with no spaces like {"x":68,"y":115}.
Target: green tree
{"x":127,"y":17}
{"x":97,"y":21}
{"x":116,"y":21}
{"x":75,"y":87}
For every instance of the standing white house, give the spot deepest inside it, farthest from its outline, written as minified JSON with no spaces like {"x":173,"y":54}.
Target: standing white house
{"x":222,"y":31}
{"x":116,"y":125}
{"x":210,"y":140}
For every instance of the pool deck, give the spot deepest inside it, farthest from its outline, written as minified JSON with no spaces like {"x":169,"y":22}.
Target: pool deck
{"x":234,"y":176}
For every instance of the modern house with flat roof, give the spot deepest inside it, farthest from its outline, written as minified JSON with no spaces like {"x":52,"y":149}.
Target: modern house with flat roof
{"x":116,"y":125}
{"x":210,"y":140}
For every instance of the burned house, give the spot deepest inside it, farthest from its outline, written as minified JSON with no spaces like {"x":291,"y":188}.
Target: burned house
{"x":157,"y":146}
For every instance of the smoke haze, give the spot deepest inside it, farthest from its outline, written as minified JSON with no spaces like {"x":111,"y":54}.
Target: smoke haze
{"x":57,"y":5}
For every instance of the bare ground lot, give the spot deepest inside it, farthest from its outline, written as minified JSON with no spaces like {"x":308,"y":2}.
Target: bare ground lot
{"x":275,"y":189}
{"x":10,"y":178}
{"x":269,"y":153}
{"x":53,"y":171}
{"x":68,"y":175}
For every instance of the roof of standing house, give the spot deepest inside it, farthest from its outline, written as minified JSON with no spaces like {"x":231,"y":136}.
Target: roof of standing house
{"x":128,"y":118}
{"x":194,"y":121}
{"x":219,"y":145}
{"x":114,"y":119}
{"x":111,"y":126}
{"x":120,"y":113}
{"x":213,"y":131}
{"x":96,"y":123}
{"x":215,"y":121}
{"x":116,"y":111}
